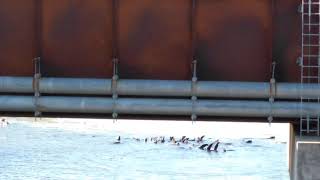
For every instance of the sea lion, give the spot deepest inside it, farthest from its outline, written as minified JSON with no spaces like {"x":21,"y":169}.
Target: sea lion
{"x":203,"y":146}
{"x":118,"y":141}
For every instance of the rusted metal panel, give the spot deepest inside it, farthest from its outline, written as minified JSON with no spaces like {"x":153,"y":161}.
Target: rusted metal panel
{"x":287,"y":39}
{"x":154,"y":39}
{"x":17,"y":37}
{"x":234,"y":39}
{"x":77,"y":38}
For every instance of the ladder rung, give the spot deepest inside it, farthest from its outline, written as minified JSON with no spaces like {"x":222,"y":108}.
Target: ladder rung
{"x":310,"y":120}
{"x":310,"y":130}
{"x":312,"y":55}
{"x":312,"y":97}
{"x":307,"y":2}
{"x":310,"y":77}
{"x":310,"y":34}
{"x":311,"y":24}
{"x":311,"y":100}
{"x":317,"y":14}
{"x":306,"y":66}
{"x":311,"y":45}
{"x":310,"y":117}
{"x":307,"y":100}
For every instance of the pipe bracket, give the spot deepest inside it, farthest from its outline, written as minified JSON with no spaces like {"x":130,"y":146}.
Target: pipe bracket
{"x":36,"y":86}
{"x":114,"y":85}
{"x":273,"y":90}
{"x":194,"y":98}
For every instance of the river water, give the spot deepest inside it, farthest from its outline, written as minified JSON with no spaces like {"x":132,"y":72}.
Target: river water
{"x":84,"y":149}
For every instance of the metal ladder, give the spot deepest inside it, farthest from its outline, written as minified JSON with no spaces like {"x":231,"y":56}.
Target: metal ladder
{"x":310,"y":62}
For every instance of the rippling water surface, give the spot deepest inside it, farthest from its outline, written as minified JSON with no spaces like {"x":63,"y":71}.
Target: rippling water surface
{"x":70,"y":150}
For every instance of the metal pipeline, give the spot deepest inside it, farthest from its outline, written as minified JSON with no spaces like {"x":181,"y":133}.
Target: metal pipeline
{"x":222,"y":89}
{"x":143,"y":106}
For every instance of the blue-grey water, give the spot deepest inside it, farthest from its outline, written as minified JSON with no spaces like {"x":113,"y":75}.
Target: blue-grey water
{"x":29,"y":151}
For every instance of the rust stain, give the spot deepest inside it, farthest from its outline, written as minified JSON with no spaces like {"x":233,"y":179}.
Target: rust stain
{"x":236,"y":40}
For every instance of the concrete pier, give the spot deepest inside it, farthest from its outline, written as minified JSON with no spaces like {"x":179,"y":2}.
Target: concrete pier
{"x":305,"y":158}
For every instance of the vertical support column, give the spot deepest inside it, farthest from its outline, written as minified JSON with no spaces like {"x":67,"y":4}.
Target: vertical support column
{"x":291,"y":149}
{"x":193,"y":90}
{"x":114,"y":84}
{"x":306,"y":158}
{"x":272,"y":89}
{"x":194,"y":59}
{"x":37,"y":59}
{"x":115,"y":58}
{"x":272,"y":92}
{"x":35,"y":83}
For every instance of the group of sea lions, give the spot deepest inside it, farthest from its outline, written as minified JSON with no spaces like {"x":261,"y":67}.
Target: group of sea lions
{"x":198,"y":142}
{"x":4,"y":123}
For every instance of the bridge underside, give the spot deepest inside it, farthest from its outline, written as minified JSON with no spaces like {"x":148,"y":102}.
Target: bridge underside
{"x":187,"y":42}
{"x":231,"y":40}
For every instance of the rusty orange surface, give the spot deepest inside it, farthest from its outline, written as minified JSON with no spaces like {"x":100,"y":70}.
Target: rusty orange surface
{"x":234,"y":39}
{"x":77,"y":38}
{"x":287,"y":39}
{"x":17,"y":37}
{"x":153,"y":39}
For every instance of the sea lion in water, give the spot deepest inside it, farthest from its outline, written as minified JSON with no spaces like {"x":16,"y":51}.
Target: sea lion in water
{"x":171,"y":138}
{"x":201,"y":138}
{"x":4,"y":123}
{"x":118,"y":141}
{"x":182,"y":139}
{"x":215,"y":149}
{"x":203,"y":146}
{"x":272,"y":137}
